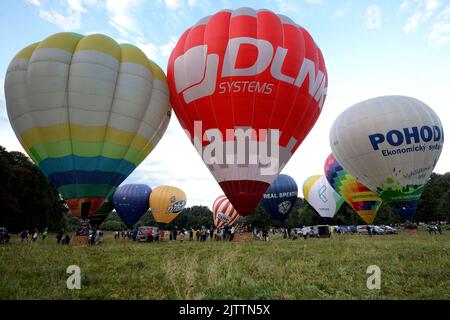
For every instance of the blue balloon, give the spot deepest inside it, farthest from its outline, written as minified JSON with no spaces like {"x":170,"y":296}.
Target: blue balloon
{"x":280,"y":198}
{"x":131,"y":201}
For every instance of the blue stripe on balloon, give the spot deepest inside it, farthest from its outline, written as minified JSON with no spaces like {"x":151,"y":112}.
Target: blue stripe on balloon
{"x":86,"y":177}
{"x":52,"y":165}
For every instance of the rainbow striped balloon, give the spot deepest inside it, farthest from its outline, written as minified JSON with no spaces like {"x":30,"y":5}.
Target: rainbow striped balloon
{"x":87,"y":110}
{"x":223,"y":212}
{"x":364,"y":201}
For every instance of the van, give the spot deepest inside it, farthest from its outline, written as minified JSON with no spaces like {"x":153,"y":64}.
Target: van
{"x":142,"y":234}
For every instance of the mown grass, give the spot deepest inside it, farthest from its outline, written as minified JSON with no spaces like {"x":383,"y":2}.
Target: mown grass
{"x":413,"y":267}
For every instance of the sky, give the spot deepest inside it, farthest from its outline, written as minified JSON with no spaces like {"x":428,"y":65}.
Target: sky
{"x":371,"y":48}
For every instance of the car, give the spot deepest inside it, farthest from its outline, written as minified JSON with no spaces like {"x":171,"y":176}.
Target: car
{"x":4,"y":235}
{"x":361,"y":229}
{"x":142,"y":234}
{"x":347,"y":229}
{"x":389,"y":230}
{"x":310,"y":231}
{"x":377,"y":230}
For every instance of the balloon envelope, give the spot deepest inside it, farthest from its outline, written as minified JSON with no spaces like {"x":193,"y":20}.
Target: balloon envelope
{"x":102,"y":213}
{"x":364,"y":201}
{"x":280,"y":198}
{"x":244,"y":84}
{"x":223,"y":212}
{"x":391,"y":144}
{"x":321,"y":196}
{"x":166,"y":202}
{"x":131,"y":201}
{"x":87,"y":110}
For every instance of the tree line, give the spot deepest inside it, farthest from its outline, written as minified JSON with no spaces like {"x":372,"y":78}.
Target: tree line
{"x":28,"y":201}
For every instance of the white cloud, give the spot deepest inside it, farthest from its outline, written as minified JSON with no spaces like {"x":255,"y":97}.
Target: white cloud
{"x":175,"y":4}
{"x":68,"y":19}
{"x":288,"y":7}
{"x":338,"y":13}
{"x":373,"y":17}
{"x":36,"y":3}
{"x":159,"y":54}
{"x":423,"y":10}
{"x":440,"y":33}
{"x":120,"y":15}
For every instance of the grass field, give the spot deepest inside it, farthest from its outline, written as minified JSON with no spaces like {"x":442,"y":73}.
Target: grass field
{"x":412,"y":267}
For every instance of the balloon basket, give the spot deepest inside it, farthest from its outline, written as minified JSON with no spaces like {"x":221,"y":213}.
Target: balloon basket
{"x":79,"y":240}
{"x":246,"y":236}
{"x":411,"y":232}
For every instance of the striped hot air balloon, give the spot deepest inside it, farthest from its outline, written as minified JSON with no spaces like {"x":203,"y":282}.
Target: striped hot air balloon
{"x":87,"y":110}
{"x":223,"y":212}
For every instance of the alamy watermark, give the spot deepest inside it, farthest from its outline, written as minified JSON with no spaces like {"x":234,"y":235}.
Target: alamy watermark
{"x":74,"y":280}
{"x":374,"y":280}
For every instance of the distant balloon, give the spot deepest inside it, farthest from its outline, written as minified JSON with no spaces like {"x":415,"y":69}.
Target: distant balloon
{"x":166,"y":202}
{"x":87,"y":110}
{"x":321,"y":196}
{"x":131,"y":201}
{"x":223,"y":212}
{"x":280,"y":198}
{"x":247,"y":86}
{"x":364,"y":201}
{"x":391,"y":144}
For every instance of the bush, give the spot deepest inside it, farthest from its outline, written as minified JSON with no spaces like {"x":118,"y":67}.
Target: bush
{"x":112,"y":226}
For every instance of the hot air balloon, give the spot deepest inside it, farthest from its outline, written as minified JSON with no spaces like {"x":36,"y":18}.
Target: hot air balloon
{"x":102,"y":213}
{"x":247,"y":86}
{"x":166,"y":202}
{"x":391,"y":144}
{"x":365,"y":202}
{"x":223,"y":212}
{"x":131,"y":201}
{"x":280,"y":198}
{"x":87,"y":110}
{"x":321,"y":196}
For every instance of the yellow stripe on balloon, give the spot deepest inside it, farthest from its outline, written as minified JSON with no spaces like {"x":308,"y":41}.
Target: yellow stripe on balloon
{"x":101,"y":43}
{"x":51,"y":134}
{"x":133,"y":54}
{"x":308,"y":185}
{"x":27,"y":52}
{"x":64,"y":40}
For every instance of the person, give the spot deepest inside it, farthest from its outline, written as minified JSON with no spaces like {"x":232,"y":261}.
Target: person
{"x":211,"y":232}
{"x":284,"y":233}
{"x":369,"y":231}
{"x":289,"y":232}
{"x":439,"y":229}
{"x":65,"y":240}
{"x":175,"y":232}
{"x":182,"y":235}
{"x":59,"y":236}
{"x":191,"y":234}
{"x":150,"y":235}
{"x":35,"y":235}
{"x":293,"y":235}
{"x":23,"y":235}
{"x":197,"y":235}
{"x":232,"y":231}
{"x":203,"y":234}
{"x":305,"y":234}
{"x":93,"y":236}
{"x":45,"y":233}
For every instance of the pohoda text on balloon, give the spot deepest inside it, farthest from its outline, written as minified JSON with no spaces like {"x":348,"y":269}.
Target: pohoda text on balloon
{"x":239,"y":146}
{"x":408,"y":136}
{"x":196,"y":71}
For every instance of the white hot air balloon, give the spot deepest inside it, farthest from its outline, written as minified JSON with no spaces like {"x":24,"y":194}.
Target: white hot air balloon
{"x":321,"y":196}
{"x":391,"y":144}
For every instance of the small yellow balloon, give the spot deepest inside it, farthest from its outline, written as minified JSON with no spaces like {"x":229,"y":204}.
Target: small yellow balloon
{"x":166,"y":202}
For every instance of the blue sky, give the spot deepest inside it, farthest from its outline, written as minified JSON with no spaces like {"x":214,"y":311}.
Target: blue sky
{"x":371,"y":48}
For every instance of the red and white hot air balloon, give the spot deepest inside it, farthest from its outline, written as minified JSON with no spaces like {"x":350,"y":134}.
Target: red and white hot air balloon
{"x":247,"y":86}
{"x":223,"y":212}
